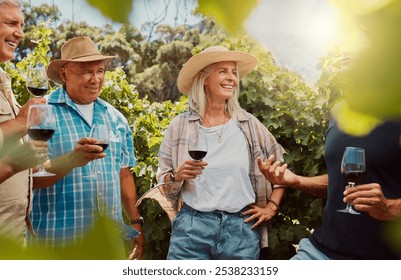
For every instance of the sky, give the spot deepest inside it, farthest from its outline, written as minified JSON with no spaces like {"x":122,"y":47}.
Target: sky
{"x":296,"y":32}
{"x":142,"y":11}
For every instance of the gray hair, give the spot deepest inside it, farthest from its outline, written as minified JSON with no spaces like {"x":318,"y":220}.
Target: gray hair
{"x":197,"y":98}
{"x":14,"y":3}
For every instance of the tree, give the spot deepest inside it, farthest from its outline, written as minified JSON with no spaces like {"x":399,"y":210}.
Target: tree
{"x":33,"y":17}
{"x":159,"y":80}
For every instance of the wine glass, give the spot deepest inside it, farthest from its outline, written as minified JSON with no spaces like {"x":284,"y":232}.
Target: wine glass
{"x":352,"y":167}
{"x":36,"y":80}
{"x":197,"y":147}
{"x":102,"y":134}
{"x":41,"y":125}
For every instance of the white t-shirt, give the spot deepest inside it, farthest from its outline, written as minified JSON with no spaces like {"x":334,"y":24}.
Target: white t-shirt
{"x":87,"y":111}
{"x":224,"y":184}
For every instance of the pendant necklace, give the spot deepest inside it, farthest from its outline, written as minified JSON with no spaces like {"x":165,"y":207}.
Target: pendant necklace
{"x":220,"y":139}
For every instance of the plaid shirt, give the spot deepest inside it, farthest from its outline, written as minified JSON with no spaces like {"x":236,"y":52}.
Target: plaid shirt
{"x":65,"y":210}
{"x":174,"y":150}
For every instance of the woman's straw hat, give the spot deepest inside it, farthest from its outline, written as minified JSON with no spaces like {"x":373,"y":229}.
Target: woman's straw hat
{"x":78,"y":49}
{"x":245,"y":64}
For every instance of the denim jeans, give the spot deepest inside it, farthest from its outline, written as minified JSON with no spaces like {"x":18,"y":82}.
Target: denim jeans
{"x":307,"y":251}
{"x":215,"y":235}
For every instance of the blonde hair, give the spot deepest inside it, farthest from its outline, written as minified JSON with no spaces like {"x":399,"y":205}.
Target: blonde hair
{"x":197,"y":98}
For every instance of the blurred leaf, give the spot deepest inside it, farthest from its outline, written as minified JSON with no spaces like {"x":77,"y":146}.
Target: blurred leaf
{"x":118,"y":12}
{"x":392,"y":233}
{"x":353,"y":122}
{"x":105,"y":233}
{"x":374,"y":93}
{"x":231,"y":14}
{"x":103,"y":242}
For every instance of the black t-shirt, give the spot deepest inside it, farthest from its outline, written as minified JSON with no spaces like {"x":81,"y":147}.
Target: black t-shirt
{"x":345,"y":236}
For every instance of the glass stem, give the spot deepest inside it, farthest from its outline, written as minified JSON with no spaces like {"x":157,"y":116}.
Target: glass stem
{"x":350,"y":185}
{"x":93,"y":173}
{"x":42,"y":167}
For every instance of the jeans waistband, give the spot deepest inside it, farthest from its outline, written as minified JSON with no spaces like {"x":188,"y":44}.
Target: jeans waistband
{"x":214,"y":212}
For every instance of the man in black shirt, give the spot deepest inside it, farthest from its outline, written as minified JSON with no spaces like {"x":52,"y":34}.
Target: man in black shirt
{"x":377,"y":197}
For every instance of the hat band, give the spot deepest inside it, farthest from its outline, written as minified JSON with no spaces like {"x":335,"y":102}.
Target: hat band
{"x":85,"y":55}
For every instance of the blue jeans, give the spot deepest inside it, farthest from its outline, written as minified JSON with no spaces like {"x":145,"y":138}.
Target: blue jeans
{"x":215,"y":235}
{"x":307,"y":251}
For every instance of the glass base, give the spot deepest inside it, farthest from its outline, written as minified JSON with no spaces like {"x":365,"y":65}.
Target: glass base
{"x":349,"y":211}
{"x":43,"y":173}
{"x":92,"y":176}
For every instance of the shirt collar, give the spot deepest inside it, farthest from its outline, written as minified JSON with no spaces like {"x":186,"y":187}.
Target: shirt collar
{"x":60,"y":96}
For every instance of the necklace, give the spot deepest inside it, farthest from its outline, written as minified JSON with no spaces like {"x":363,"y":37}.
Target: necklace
{"x":220,"y":139}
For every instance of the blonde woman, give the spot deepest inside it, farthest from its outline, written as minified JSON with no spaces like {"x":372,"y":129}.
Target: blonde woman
{"x":223,"y":215}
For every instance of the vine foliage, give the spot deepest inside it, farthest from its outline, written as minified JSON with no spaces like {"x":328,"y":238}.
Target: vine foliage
{"x":294,"y":112}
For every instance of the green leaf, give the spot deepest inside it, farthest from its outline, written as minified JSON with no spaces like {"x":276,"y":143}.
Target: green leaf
{"x":374,"y":93}
{"x":231,"y":14}
{"x":352,"y":121}
{"x":392,"y":233}
{"x":104,"y":232}
{"x":118,"y":12}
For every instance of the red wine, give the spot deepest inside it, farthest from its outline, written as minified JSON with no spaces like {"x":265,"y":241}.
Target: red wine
{"x":103,"y":145}
{"x":197,"y":155}
{"x":40,"y":133}
{"x":353,"y":176}
{"x":37,"y":91}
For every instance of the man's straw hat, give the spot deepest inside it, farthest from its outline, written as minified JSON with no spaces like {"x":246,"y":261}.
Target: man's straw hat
{"x":78,"y":49}
{"x":245,"y":64}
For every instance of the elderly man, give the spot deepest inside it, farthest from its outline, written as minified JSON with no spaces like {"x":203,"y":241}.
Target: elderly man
{"x":16,"y":155}
{"x":64,"y":211}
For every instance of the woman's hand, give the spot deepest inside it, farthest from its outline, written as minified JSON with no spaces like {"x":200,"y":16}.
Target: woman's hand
{"x":260,"y":214}
{"x":190,"y":169}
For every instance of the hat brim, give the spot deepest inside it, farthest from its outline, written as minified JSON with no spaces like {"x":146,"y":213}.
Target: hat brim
{"x":53,"y":69}
{"x":245,"y":64}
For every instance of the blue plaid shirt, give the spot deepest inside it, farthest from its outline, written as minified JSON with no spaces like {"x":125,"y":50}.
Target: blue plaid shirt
{"x":64,"y":211}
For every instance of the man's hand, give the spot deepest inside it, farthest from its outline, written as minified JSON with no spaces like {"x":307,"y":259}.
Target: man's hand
{"x":370,"y":198}
{"x":85,"y":151}
{"x":26,"y":155}
{"x":14,"y":129}
{"x":137,"y":244}
{"x":22,"y":116}
{"x":277,"y":173}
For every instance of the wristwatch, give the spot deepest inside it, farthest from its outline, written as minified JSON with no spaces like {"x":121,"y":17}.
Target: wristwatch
{"x":172,"y":178}
{"x":137,"y":221}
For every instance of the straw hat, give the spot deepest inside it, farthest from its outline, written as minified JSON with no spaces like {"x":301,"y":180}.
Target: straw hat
{"x":245,"y":64}
{"x":78,"y":49}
